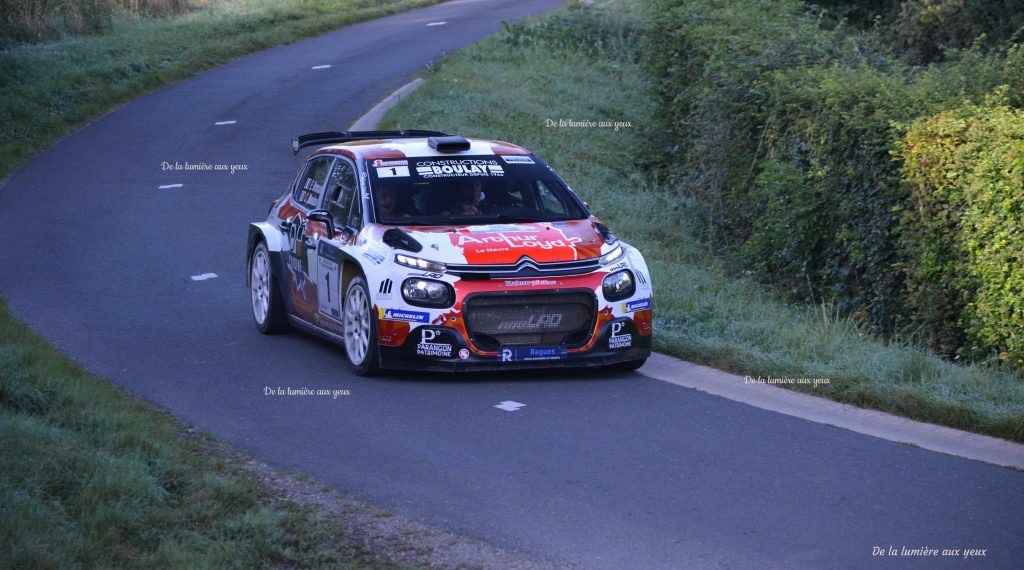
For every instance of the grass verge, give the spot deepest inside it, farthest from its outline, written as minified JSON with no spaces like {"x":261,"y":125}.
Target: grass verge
{"x":47,"y":89}
{"x":90,"y":478}
{"x":581,"y":64}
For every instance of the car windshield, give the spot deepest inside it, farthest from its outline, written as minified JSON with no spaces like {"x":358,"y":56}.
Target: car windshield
{"x":468,"y":190}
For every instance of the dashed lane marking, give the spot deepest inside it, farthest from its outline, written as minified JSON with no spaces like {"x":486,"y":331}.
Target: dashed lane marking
{"x":509,"y":406}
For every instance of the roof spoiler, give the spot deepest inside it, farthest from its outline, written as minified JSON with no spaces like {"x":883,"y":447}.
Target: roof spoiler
{"x":332,"y":137}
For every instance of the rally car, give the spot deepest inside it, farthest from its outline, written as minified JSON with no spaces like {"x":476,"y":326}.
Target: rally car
{"x":420,"y":250}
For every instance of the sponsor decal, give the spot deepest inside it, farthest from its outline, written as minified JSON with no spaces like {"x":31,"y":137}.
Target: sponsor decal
{"x":640,"y":277}
{"x":513,"y":159}
{"x":374,"y":256}
{"x":405,"y":316}
{"x":529,"y":282}
{"x":327,"y":287}
{"x":297,"y":267}
{"x":463,"y":354}
{"x":522,"y":354}
{"x":328,"y":324}
{"x":528,"y":241}
{"x":619,"y":339}
{"x":638,"y":305}
{"x":391,"y":168}
{"x":533,"y":323}
{"x":428,"y":347}
{"x":458,"y":168}
{"x":384,"y":291}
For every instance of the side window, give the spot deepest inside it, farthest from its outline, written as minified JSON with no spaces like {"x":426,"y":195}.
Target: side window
{"x":310,"y":189}
{"x":343,"y":196}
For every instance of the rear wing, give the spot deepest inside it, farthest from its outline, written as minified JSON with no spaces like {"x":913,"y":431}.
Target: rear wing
{"x":332,"y":137}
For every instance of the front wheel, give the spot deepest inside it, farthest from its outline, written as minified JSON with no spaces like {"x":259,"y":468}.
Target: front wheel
{"x":267,"y":306}
{"x":360,"y":329}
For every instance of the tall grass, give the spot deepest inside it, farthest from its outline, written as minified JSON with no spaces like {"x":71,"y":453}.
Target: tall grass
{"x":37,"y":20}
{"x":91,"y":479}
{"x":581,"y":64}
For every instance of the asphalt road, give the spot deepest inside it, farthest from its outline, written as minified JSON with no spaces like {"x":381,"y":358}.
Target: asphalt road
{"x":597,"y":470}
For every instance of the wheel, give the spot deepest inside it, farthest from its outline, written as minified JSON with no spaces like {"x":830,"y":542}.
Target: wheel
{"x":267,"y":305}
{"x":628,"y":366}
{"x":360,"y":329}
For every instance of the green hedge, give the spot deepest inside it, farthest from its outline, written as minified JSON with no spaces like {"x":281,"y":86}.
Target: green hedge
{"x":966,"y":171}
{"x":787,"y":132}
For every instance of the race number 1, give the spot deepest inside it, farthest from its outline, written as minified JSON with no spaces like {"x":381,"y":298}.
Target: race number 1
{"x":392,"y":171}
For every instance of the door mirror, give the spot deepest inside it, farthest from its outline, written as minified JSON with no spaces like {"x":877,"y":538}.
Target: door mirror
{"x":323,"y":217}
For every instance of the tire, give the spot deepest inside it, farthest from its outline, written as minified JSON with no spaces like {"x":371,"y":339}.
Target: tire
{"x":628,"y":366}
{"x":267,"y":304}
{"x":359,"y":328}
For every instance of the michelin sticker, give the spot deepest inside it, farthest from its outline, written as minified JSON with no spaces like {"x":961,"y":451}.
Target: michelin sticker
{"x":634,"y":306}
{"x":619,"y":339}
{"x":427,"y":346}
{"x":405,"y":316}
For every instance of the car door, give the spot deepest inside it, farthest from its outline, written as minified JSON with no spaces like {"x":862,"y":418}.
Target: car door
{"x":344,"y":206}
{"x":308,"y":195}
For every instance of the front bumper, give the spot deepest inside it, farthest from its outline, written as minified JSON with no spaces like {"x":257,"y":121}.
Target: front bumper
{"x":439,"y":348}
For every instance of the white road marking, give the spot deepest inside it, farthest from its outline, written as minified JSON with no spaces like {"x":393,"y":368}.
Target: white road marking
{"x":204,"y":276}
{"x":219,"y":123}
{"x":321,"y":66}
{"x":509,"y":406}
{"x":168,"y":186}
{"x":436,"y":24}
{"x":369,"y":121}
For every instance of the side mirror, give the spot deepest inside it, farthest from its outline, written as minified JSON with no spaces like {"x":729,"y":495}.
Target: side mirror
{"x":324,"y":217}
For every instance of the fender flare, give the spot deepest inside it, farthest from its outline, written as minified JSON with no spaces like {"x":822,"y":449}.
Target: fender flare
{"x":268,"y":234}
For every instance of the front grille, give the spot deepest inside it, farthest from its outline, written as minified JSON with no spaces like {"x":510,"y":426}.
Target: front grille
{"x":545,"y":319}
{"x":525,"y":267}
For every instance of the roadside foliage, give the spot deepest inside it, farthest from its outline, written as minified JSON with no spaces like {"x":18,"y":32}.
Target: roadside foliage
{"x":798,"y":138}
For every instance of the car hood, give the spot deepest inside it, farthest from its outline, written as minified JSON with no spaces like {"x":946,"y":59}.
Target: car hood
{"x":543,"y":242}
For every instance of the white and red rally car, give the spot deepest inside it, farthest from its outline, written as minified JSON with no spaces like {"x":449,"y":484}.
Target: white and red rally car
{"x":423,"y":251}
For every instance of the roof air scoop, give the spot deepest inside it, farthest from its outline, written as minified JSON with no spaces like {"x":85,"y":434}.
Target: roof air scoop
{"x":448,"y":144}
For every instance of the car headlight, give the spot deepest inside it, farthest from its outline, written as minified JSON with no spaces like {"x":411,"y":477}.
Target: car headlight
{"x":618,"y":285}
{"x":417,"y":263}
{"x":427,"y":292}
{"x":612,"y":256}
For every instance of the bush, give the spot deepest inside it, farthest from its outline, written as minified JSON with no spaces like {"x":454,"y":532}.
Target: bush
{"x":926,"y":29}
{"x":787,"y":131}
{"x":966,"y":172}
